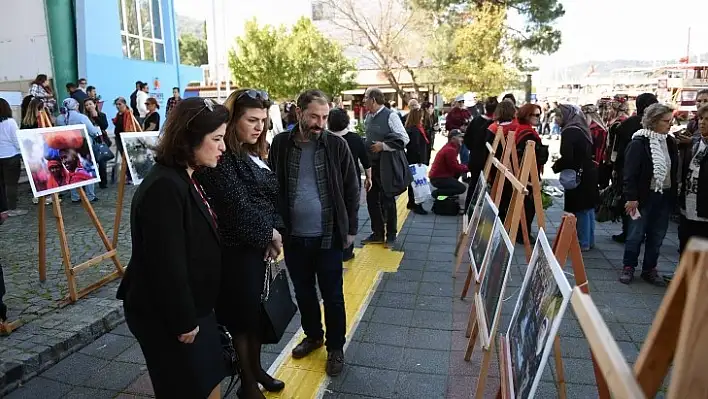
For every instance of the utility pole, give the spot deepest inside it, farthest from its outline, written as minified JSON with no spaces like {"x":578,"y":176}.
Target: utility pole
{"x":217,"y":59}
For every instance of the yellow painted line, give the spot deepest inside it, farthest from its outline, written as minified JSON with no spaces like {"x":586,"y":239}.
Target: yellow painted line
{"x":306,"y":378}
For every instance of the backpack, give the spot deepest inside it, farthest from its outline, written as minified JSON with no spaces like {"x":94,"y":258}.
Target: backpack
{"x":446,"y":207}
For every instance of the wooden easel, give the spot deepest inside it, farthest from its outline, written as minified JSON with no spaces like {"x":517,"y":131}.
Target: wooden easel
{"x":69,"y":270}
{"x":463,"y":239}
{"x":679,"y":331}
{"x":132,"y":126}
{"x":7,"y":327}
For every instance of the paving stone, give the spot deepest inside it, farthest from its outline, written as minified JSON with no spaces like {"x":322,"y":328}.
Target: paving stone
{"x":423,"y":338}
{"x":436,"y":277}
{"x":75,"y":369}
{"x":377,"y":355}
{"x":90,"y":393}
{"x":115,"y":376}
{"x":424,"y":386}
{"x":141,"y":386}
{"x":418,"y":239}
{"x":367,"y":381}
{"x":405,"y":275}
{"x":400,"y":317}
{"x":434,"y":303}
{"x":386,"y":334}
{"x":108,"y":346}
{"x":40,"y":387}
{"x":436,"y":289}
{"x":132,"y":355}
{"x":431,"y":319}
{"x":425,"y":361}
{"x":397,"y":300}
{"x":412,"y":264}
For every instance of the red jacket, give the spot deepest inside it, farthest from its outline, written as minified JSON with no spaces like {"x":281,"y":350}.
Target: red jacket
{"x":456,"y":118}
{"x":446,"y":163}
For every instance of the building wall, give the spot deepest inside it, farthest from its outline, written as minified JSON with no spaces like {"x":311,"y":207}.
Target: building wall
{"x":24,"y":46}
{"x":102,"y":62}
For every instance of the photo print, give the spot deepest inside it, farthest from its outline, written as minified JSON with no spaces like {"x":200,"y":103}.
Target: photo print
{"x":475,"y":206}
{"x":139,"y":151}
{"x":58,"y":158}
{"x":543,"y":298}
{"x":495,"y":274}
{"x":482,"y":233}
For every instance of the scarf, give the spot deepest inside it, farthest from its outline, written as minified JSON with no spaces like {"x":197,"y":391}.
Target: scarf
{"x":572,"y":116}
{"x":657,"y":141}
{"x":422,"y":133}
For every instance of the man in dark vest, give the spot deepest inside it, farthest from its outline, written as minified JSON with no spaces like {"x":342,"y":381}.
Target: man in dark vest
{"x":384,"y":132}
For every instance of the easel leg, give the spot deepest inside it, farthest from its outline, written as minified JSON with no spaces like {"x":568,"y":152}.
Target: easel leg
{"x":473,"y":338}
{"x":468,"y":281}
{"x":97,"y":224}
{"x":560,"y":374}
{"x":119,"y":201}
{"x":471,"y":322}
{"x":484,"y":370}
{"x":460,"y":253}
{"x":42,"y":239}
{"x":64,"y":245}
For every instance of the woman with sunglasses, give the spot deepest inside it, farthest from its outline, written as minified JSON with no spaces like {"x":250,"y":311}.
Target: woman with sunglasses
{"x":170,"y":288}
{"x":244,"y":192}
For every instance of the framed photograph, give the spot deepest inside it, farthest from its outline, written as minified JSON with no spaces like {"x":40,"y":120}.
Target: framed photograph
{"x":495,"y":274}
{"x":138,"y":150}
{"x":482,"y":233}
{"x":543,"y":298}
{"x":58,"y":158}
{"x":472,"y":213}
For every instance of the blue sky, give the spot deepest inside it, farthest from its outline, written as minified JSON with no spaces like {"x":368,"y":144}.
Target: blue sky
{"x":603,"y":29}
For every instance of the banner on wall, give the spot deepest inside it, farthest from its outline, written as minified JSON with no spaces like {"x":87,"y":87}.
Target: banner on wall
{"x":156,"y":93}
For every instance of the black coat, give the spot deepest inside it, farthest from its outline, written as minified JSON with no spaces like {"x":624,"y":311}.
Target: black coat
{"x":476,"y":137}
{"x":624,"y":133}
{"x":175,"y":266}
{"x":639,"y":169}
{"x":576,"y":153}
{"x":417,"y":147}
{"x":702,"y":195}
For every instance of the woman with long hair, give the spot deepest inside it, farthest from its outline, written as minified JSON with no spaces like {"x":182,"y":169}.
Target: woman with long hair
{"x":599,"y":143}
{"x":40,"y":88}
{"x":171,"y":284}
{"x":416,"y":151}
{"x":10,"y":160}
{"x":31,"y":118}
{"x":99,"y":120}
{"x":244,"y":192}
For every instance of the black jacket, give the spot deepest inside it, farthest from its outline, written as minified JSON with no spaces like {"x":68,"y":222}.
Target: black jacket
{"x":639,"y":169}
{"x":175,"y":266}
{"x":417,"y":147}
{"x":244,"y":197}
{"x":702,"y":195}
{"x":476,"y":137}
{"x":343,"y":182}
{"x":576,"y":153}
{"x":356,"y":147}
{"x":624,"y":133}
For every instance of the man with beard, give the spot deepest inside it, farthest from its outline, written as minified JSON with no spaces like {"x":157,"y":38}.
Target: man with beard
{"x":384,"y":132}
{"x":318,"y":201}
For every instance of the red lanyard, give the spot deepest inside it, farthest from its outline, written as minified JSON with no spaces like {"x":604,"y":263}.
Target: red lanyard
{"x":200,"y":190}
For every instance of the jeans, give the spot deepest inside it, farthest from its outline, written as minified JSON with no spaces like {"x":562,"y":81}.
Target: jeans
{"x":90,"y":193}
{"x":382,"y":207}
{"x":102,"y":173}
{"x":447,"y":186}
{"x":9,"y":178}
{"x":651,"y":226}
{"x":464,"y":154}
{"x":585,"y":226}
{"x":308,"y":264}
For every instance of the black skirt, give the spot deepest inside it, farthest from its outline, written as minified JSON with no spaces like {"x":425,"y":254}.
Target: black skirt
{"x":178,"y":370}
{"x":239,"y":307}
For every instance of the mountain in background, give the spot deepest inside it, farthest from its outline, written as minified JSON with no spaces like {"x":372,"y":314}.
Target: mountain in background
{"x":191,"y":25}
{"x":602,"y":69}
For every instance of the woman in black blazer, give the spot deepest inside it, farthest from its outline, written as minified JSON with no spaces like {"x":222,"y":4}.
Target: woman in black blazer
{"x":170,"y":287}
{"x":416,"y":151}
{"x":244,"y":193}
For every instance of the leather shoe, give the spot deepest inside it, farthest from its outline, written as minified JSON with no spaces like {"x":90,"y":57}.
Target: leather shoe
{"x":269,"y":383}
{"x":307,"y":346}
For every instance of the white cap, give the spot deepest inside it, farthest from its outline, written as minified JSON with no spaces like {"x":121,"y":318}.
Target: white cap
{"x":459,"y":98}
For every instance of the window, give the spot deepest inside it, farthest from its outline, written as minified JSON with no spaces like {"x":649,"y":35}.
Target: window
{"x":321,"y":11}
{"x":141,"y":30}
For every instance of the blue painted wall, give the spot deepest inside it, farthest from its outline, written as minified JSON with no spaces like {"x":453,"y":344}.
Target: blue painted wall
{"x":101,"y":61}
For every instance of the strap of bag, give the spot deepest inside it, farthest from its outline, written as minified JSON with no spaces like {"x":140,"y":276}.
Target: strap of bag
{"x":270,"y":265}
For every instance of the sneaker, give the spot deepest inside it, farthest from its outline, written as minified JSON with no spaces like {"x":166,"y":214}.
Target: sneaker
{"x":627,"y":275}
{"x":307,"y":346}
{"x":335,"y":363}
{"x":373,"y":239}
{"x":652,"y":277}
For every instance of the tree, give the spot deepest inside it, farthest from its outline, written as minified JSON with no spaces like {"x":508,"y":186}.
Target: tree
{"x":538,"y":34}
{"x":390,"y":34}
{"x":192,"y":49}
{"x":286,"y":62}
{"x":477,"y":58}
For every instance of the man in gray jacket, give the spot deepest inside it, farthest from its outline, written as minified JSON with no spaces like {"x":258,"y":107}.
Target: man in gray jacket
{"x":384,"y":132}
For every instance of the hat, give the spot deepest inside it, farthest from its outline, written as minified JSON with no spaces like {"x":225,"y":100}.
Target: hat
{"x":460,"y":98}
{"x":454,"y":133}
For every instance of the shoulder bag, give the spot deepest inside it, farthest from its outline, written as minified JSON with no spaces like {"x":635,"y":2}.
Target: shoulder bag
{"x":278,"y":306}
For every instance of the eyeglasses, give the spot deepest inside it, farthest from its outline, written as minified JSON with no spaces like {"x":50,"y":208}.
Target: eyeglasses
{"x":254,"y":95}
{"x":208,"y":104}
{"x":536,"y":115}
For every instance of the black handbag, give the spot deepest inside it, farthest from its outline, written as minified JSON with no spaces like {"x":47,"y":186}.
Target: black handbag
{"x":278,"y":306}
{"x":231,"y":362}
{"x":102,"y":152}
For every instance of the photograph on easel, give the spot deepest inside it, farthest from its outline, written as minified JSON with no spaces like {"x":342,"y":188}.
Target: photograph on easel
{"x":543,"y":298}
{"x":58,"y":158}
{"x":495,"y":274}
{"x":482,"y":233}
{"x":472,"y":213}
{"x":139,"y":152}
